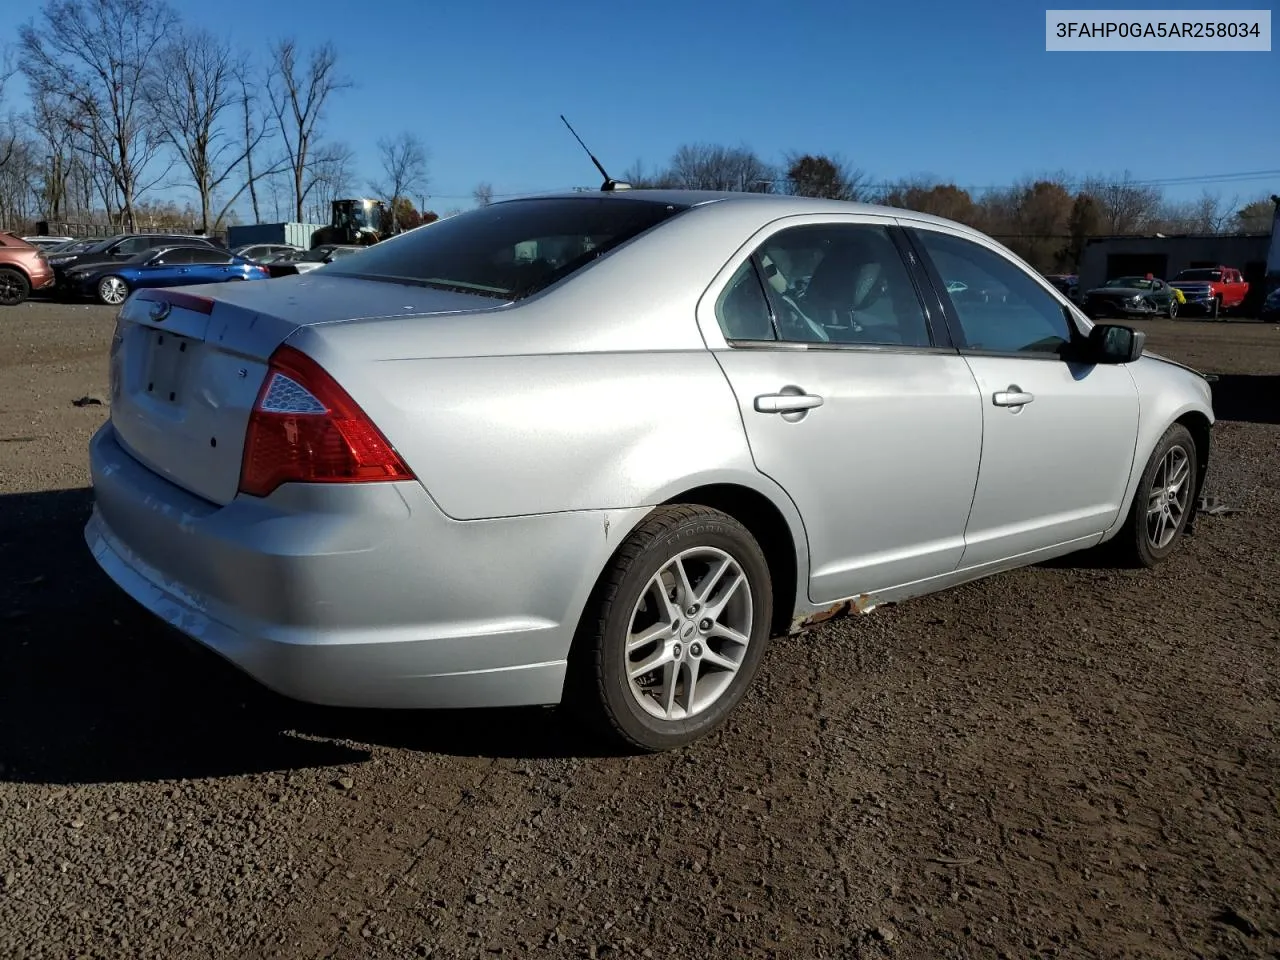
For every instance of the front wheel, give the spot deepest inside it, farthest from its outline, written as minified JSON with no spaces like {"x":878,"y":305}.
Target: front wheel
{"x":1217,"y":307}
{"x":1173,"y":309}
{"x":1163,"y":503}
{"x":113,"y":291}
{"x":14,"y":287}
{"x":676,"y":630}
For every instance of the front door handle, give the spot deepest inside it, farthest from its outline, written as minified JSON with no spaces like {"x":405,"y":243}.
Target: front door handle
{"x":1014,"y":396}
{"x":786,"y":402}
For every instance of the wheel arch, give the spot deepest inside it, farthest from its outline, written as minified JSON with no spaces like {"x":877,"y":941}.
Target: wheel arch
{"x":777,"y":527}
{"x":771,"y":530}
{"x":1200,"y":425}
{"x":1202,"y":433}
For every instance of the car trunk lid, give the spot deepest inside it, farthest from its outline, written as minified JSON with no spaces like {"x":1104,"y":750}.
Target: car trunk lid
{"x":186,"y":365}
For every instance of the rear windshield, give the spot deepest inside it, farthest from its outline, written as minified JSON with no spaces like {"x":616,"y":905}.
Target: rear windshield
{"x":509,"y":250}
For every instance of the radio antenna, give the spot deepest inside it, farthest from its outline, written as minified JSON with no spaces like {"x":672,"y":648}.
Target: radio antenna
{"x":609,"y":182}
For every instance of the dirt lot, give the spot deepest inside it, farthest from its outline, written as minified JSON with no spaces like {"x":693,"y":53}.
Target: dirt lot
{"x":1067,"y":761}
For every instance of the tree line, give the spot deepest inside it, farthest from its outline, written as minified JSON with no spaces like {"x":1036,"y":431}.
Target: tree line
{"x":1046,"y":219}
{"x":127,"y":100}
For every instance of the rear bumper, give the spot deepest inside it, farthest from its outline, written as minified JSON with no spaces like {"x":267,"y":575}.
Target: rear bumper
{"x":363,"y":595}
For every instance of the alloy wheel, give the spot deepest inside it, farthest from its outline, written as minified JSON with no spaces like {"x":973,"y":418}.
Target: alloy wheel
{"x":1168,"y":497}
{"x":688,"y":633}
{"x":113,"y":291}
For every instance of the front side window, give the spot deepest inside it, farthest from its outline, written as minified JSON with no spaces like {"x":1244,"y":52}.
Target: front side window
{"x":843,"y":284}
{"x":999,"y":307}
{"x":509,"y":250}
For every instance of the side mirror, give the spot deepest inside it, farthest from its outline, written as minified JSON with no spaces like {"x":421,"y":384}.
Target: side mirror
{"x":1112,"y":343}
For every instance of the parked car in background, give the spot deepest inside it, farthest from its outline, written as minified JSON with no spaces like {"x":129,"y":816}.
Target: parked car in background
{"x":47,"y":243}
{"x":111,"y":283}
{"x":23,"y":268}
{"x":1212,"y":290}
{"x":1136,"y":297}
{"x":309,"y":260}
{"x":1067,"y":283}
{"x":121,"y":248}
{"x":72,"y":246}
{"x":446,"y":473}
{"x":265,"y":252}
{"x":1270,"y":312}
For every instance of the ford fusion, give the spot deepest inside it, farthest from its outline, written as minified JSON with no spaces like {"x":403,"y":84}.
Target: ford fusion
{"x":596,"y":449}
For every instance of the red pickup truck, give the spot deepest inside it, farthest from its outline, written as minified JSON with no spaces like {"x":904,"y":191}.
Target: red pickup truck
{"x":1211,"y":290}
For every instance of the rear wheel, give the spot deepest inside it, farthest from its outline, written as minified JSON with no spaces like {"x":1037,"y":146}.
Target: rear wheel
{"x":1163,"y":503}
{"x":113,"y":290}
{"x":1173,"y":308}
{"x":14,"y":287}
{"x":676,"y":630}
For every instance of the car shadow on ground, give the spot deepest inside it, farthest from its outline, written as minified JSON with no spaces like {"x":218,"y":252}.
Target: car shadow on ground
{"x":1246,"y":398}
{"x":92,"y":689}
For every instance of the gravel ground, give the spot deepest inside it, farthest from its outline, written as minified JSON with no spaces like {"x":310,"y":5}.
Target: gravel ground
{"x":1061,"y":761}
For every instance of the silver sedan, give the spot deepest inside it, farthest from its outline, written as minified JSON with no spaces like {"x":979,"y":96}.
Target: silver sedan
{"x":598,"y":448}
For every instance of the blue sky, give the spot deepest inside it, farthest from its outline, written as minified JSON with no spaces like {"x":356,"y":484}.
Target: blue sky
{"x":963,"y":91}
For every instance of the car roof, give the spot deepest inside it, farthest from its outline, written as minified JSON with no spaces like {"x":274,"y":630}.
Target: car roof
{"x":776,"y":204}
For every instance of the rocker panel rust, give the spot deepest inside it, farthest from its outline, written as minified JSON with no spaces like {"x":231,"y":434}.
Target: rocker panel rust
{"x":859,"y":604}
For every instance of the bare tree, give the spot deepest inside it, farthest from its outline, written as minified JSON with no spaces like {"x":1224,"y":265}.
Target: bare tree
{"x":483,"y":194}
{"x":1126,"y":206}
{"x":330,"y":177}
{"x":252,"y":136}
{"x":91,"y":59}
{"x":703,"y":166}
{"x":404,"y":169}
{"x":298,"y":94}
{"x":192,"y":92}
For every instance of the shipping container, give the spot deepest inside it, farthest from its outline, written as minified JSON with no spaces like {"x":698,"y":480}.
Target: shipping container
{"x":298,"y":234}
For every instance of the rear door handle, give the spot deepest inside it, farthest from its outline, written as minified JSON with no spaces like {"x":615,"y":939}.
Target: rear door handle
{"x":1015,"y":396}
{"x":786,"y":402}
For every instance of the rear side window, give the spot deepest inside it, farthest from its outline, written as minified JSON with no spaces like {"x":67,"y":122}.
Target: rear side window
{"x":743,"y":311}
{"x":208,"y":256}
{"x":509,"y":250}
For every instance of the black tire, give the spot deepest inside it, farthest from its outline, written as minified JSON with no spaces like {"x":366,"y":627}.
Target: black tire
{"x":14,"y":287}
{"x":599,"y":691}
{"x":1133,"y":545}
{"x":1217,"y":308}
{"x":1172,"y":312}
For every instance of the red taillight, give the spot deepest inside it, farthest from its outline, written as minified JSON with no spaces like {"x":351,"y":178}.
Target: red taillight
{"x":306,"y":429}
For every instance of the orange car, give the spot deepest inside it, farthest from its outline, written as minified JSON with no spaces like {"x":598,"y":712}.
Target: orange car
{"x":23,"y":268}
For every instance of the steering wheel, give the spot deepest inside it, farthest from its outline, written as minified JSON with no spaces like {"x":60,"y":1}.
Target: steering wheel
{"x":800,"y":324}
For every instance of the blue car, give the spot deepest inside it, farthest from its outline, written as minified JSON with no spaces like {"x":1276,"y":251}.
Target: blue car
{"x":172,"y":266}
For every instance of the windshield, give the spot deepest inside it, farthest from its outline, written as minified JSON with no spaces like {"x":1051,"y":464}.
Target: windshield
{"x":512,"y":249}
{"x":1141,"y":283}
{"x":319,"y":253}
{"x":1200,"y":275}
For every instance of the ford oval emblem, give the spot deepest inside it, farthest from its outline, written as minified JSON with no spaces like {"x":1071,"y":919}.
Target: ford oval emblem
{"x":160,"y":309}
